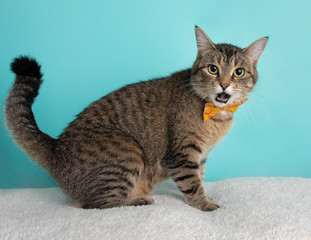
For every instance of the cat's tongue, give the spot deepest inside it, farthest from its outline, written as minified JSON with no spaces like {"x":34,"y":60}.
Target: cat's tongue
{"x":223,"y":97}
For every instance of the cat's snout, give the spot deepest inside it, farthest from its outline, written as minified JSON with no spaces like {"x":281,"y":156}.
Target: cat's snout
{"x":224,"y":85}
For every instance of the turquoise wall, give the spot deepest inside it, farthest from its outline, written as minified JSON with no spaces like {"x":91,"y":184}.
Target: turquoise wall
{"x":89,"y":48}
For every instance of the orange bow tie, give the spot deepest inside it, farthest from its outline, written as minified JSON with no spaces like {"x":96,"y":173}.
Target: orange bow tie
{"x":210,"y":109}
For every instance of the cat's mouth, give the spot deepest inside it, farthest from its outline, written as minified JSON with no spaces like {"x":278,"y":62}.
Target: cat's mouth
{"x":222,"y":97}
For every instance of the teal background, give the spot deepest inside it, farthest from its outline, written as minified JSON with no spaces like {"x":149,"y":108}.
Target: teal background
{"x":89,"y":48}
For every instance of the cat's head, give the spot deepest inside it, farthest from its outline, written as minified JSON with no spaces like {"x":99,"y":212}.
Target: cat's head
{"x":222,"y":73}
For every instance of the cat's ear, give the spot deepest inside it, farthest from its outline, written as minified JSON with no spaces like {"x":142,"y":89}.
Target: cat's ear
{"x":254,"y":50}
{"x":203,"y":42}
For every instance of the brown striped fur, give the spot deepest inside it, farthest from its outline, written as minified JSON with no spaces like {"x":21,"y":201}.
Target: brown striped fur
{"x":119,"y":147}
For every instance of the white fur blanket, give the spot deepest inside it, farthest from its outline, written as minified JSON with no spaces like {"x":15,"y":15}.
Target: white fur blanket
{"x":251,"y":208}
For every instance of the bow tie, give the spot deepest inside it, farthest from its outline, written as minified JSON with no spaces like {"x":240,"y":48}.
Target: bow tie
{"x":210,"y":109}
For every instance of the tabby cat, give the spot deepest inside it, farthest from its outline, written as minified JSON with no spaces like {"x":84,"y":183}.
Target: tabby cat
{"x":120,"y":146}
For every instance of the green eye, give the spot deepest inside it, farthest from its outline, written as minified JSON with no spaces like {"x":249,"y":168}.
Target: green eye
{"x":239,"y":72}
{"x":213,"y":69}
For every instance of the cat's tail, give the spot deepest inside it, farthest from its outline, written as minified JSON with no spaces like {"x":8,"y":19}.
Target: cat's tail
{"x":19,"y":115}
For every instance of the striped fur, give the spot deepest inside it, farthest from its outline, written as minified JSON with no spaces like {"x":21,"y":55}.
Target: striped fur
{"x":120,"y":146}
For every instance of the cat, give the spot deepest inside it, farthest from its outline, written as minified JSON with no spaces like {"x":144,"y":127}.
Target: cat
{"x":120,"y":146}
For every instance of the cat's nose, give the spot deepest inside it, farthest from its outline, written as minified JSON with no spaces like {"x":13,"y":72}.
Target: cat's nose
{"x":224,"y":85}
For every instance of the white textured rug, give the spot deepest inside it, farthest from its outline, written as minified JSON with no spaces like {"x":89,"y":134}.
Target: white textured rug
{"x":251,"y":208}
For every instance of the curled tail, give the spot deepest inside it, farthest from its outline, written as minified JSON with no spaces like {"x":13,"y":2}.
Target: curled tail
{"x":19,"y":115}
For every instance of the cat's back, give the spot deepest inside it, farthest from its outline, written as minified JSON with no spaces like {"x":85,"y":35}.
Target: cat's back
{"x":134,"y":104}
{"x":140,"y":110}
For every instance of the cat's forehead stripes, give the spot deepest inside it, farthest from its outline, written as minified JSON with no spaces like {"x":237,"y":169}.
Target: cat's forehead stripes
{"x":232,"y":56}
{"x":226,"y":55}
{"x":228,"y":52}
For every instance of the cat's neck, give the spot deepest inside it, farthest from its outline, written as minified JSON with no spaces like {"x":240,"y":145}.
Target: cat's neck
{"x":224,"y":115}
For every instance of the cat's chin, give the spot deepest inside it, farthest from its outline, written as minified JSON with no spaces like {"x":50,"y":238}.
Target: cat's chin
{"x":219,"y":104}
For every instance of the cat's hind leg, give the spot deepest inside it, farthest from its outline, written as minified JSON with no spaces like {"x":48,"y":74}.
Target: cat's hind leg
{"x":114,"y":177}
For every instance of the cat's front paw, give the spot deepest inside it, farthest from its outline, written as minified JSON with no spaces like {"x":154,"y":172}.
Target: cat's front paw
{"x":207,"y":206}
{"x":210,"y":206}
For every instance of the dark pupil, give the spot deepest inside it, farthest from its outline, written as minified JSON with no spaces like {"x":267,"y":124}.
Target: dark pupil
{"x":238,"y":71}
{"x":213,"y":68}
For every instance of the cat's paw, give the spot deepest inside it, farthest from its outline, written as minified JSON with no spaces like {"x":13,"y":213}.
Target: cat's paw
{"x":142,"y":200}
{"x":209,"y":206}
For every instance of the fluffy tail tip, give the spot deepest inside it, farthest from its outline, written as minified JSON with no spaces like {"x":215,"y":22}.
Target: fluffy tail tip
{"x":26,"y":66}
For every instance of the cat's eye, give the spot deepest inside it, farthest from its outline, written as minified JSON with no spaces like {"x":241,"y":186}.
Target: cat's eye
{"x":239,"y":72}
{"x":213,"y":69}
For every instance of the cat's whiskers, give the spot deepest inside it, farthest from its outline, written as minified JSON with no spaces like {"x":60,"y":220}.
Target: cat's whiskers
{"x":261,"y":107}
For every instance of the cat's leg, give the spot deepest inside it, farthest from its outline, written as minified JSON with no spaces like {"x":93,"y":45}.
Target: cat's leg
{"x":202,"y":172}
{"x":115,"y":175}
{"x":185,"y":172}
{"x":115,"y":190}
{"x":202,"y":168}
{"x":140,"y":191}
